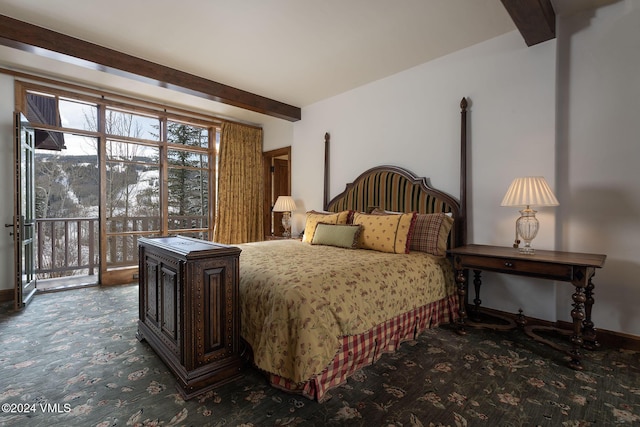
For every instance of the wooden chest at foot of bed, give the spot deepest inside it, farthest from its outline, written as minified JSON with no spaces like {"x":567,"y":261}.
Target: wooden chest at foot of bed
{"x":189,"y":309}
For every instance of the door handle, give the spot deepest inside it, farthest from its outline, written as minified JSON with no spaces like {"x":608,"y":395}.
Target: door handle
{"x":9,"y":225}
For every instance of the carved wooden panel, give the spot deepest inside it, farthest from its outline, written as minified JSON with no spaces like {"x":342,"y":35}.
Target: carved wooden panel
{"x":195,"y":286}
{"x":151,"y":307}
{"x":214,"y":291}
{"x":169,"y":310}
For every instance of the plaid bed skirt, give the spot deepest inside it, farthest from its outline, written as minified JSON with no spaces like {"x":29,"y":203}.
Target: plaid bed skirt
{"x":358,"y":351}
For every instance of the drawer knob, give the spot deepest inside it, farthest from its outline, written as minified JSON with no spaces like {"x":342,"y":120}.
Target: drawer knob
{"x":508,"y":264}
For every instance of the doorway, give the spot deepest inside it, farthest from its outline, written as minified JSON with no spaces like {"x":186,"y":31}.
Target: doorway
{"x":55,"y":233}
{"x":67,"y":192}
{"x":277,"y":181}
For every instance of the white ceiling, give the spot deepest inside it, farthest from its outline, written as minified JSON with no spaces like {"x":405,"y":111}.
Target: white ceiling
{"x":293,"y":51}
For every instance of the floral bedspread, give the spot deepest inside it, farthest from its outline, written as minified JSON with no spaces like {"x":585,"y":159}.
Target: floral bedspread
{"x":297,"y":300}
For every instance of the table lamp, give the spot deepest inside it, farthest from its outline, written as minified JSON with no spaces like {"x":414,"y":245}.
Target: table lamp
{"x":526,"y":192}
{"x":285,"y":204}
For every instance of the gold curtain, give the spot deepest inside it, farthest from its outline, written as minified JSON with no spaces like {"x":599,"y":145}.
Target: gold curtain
{"x":240,"y":185}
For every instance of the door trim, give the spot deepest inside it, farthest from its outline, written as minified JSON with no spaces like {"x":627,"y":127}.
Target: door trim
{"x":267,"y":162}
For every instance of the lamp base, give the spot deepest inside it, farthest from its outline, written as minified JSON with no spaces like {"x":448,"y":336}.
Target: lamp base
{"x":527,"y":250}
{"x":527,"y":228}
{"x":286,"y":224}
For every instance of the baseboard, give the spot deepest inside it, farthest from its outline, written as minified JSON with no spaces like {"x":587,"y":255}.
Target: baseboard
{"x":611,"y":339}
{"x":608,"y":339}
{"x":119,"y":276}
{"x":6,"y":295}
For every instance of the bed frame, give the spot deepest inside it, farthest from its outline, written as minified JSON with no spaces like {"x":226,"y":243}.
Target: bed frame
{"x":386,"y":187}
{"x":394,"y":189}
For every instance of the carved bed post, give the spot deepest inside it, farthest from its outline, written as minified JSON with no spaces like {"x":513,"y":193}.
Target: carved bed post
{"x":462,"y":240}
{"x":326,"y":170}
{"x":462,"y":276}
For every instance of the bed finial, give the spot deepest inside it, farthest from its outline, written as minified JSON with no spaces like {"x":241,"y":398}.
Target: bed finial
{"x":327,"y":137}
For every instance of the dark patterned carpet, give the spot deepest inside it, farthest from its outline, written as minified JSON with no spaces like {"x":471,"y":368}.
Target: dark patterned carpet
{"x":72,"y":359}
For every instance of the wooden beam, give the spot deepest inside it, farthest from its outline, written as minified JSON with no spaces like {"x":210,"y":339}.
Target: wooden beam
{"x":535,"y":19}
{"x":41,"y":41}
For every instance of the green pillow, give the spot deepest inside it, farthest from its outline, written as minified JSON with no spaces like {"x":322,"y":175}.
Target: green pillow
{"x":340,"y":235}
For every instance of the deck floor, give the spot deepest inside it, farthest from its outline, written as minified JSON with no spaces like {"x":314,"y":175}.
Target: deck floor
{"x":59,"y":283}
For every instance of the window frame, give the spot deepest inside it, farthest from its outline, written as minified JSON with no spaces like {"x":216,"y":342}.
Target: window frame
{"x":165,"y":114}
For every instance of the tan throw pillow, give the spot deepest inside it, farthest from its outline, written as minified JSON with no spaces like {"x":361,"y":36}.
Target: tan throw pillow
{"x":340,"y":235}
{"x":385,"y":233}
{"x":431,"y":233}
{"x":314,"y":218}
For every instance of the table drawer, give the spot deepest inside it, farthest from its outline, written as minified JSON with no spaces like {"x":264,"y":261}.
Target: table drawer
{"x":519,"y":266}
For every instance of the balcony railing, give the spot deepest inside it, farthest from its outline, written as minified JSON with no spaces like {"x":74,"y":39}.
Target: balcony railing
{"x":69,"y":246}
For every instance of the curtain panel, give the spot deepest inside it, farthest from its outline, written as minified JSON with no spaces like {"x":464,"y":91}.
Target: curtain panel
{"x":240,"y":185}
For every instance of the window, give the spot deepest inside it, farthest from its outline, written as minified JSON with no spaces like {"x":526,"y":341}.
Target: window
{"x":188,"y":178}
{"x":132,"y":193}
{"x":124,"y":123}
{"x":156,"y":169}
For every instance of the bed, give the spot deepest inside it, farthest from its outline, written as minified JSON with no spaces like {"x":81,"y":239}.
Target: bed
{"x":313,"y":313}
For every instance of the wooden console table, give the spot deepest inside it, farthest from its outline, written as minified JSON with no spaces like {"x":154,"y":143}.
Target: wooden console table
{"x":575,"y":268}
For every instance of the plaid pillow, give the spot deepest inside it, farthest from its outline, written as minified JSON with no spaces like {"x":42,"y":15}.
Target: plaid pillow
{"x":430,"y":233}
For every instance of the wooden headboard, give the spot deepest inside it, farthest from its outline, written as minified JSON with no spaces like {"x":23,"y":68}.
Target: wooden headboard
{"x":396,"y":189}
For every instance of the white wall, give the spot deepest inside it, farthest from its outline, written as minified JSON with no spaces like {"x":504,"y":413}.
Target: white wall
{"x":6,"y":181}
{"x":599,"y":155}
{"x":583,"y":137}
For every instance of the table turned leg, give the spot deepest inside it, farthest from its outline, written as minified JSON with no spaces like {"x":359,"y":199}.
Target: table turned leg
{"x":461,"y":281}
{"x":588,"y":330}
{"x":477,"y":283}
{"x":521,"y":321}
{"x":577,"y":314}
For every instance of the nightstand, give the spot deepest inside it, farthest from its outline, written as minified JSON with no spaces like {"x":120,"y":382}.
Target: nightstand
{"x":575,"y":268}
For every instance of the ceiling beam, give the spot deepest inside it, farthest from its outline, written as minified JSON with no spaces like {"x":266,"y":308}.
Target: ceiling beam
{"x":535,"y":19}
{"x":41,"y":41}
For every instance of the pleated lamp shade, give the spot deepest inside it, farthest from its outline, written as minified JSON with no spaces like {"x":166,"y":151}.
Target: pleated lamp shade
{"x":529,"y":191}
{"x":284,"y":204}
